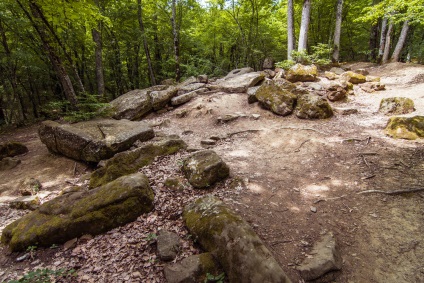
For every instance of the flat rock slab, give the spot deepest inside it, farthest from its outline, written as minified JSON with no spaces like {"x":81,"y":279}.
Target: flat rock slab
{"x":325,"y":258}
{"x":232,"y":242}
{"x":81,"y":212}
{"x":240,"y":83}
{"x":95,"y":140}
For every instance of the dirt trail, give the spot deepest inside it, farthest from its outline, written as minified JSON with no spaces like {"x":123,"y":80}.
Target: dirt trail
{"x":291,"y":165}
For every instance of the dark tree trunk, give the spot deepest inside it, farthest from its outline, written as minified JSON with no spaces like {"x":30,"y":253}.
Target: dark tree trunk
{"x":373,"y":43}
{"x":337,"y":31}
{"x":99,"y":62}
{"x":176,"y":39}
{"x":382,"y":39}
{"x":290,"y":29}
{"x":145,"y":45}
{"x":385,"y":58}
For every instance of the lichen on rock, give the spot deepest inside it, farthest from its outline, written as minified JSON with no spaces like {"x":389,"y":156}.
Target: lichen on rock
{"x":312,"y":106}
{"x":406,"y":128}
{"x":396,"y":106}
{"x":302,"y":73}
{"x":278,"y":100}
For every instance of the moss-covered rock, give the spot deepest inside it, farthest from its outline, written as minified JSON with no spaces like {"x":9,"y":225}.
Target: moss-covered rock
{"x":406,"y":128}
{"x":128,"y":162}
{"x":205,"y":168}
{"x":352,"y":77}
{"x":232,"y":242}
{"x":312,"y":106}
{"x":272,"y":96}
{"x":302,"y":73}
{"x":396,"y":106}
{"x":82,"y":212}
{"x":132,"y":105}
{"x":11,"y":149}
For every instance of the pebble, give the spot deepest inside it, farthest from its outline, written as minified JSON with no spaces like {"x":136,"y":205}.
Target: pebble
{"x":313,"y":209}
{"x":208,"y":142}
{"x":22,"y":258}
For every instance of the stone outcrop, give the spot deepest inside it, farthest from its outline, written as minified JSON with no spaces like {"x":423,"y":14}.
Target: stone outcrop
{"x":128,"y":162}
{"x":95,"y":140}
{"x":353,"y":78}
{"x":205,"y":168}
{"x":161,"y":98}
{"x":132,"y":105}
{"x":396,"y":106}
{"x":406,"y":128}
{"x":238,"y":83}
{"x":238,"y":72}
{"x":190,"y":88}
{"x":232,"y":242}
{"x":81,"y":212}
{"x":11,"y":149}
{"x":184,"y":98}
{"x":312,"y":106}
{"x":302,"y":73}
{"x":280,"y":101}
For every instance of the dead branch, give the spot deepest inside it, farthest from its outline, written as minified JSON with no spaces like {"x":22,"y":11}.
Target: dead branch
{"x":320,"y":200}
{"x":298,"y":149}
{"x":242,"y":132}
{"x":397,"y":192}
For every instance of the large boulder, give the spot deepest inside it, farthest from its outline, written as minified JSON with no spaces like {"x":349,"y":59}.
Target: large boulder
{"x":353,"y":78}
{"x":240,"y":83}
{"x":396,"y":106}
{"x":190,"y":88}
{"x":406,"y":128}
{"x":82,"y":212}
{"x":205,"y":168}
{"x":128,"y":162}
{"x":11,"y":149}
{"x":302,"y":73}
{"x":95,"y":140}
{"x":162,"y":97}
{"x":280,"y":101}
{"x":233,"y":243}
{"x":186,"y":97}
{"x":312,"y":106}
{"x":132,"y":105}
{"x":238,"y":72}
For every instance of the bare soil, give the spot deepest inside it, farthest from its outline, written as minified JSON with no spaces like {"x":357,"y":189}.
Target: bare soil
{"x":290,"y":167}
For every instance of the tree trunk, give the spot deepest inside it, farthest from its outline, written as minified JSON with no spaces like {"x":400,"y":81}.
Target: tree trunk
{"x":373,"y":43}
{"x":382,"y":39}
{"x":290,"y":29}
{"x":401,"y":42}
{"x":337,"y":31}
{"x":99,"y":63}
{"x":386,"y":52}
{"x":175,"y":33}
{"x":146,"y":46}
{"x":303,"y":34}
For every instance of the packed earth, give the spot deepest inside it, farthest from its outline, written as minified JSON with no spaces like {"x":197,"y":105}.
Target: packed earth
{"x":293,"y":180}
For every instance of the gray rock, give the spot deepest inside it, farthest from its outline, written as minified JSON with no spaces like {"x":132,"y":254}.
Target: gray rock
{"x":337,"y":71}
{"x":11,"y":149}
{"x":234,"y":244}
{"x":362,"y":72}
{"x":280,"y":101}
{"x":190,"y":80}
{"x":269,"y":63}
{"x":240,"y":83}
{"x":192,"y":269}
{"x":82,"y":212}
{"x":228,"y":118}
{"x":25,"y":202}
{"x":161,"y":98}
{"x":336,"y":93}
{"x":93,"y":140}
{"x":190,"y":88}
{"x":168,"y":244}
{"x":202,"y":79}
{"x":270,"y":74}
{"x":326,"y":258}
{"x":238,"y":72}
{"x":346,"y":111}
{"x":181,"y":99}
{"x":302,"y":73}
{"x":315,"y":86}
{"x":312,"y":106}
{"x":396,"y":106}
{"x":8,"y":163}
{"x":208,"y":142}
{"x":204,"y":168}
{"x":132,"y":105}
{"x":251,"y":92}
{"x":372,"y":86}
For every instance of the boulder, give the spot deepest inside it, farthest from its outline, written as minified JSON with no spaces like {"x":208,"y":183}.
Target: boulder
{"x":396,"y":106}
{"x":312,"y":106}
{"x":162,"y":97}
{"x":240,"y":83}
{"x":352,"y":77}
{"x":336,"y":92}
{"x":269,"y":63}
{"x":132,"y":105}
{"x":128,"y":162}
{"x":202,"y":79}
{"x":406,"y":128}
{"x":280,"y":101}
{"x":232,"y":242}
{"x":346,"y":111}
{"x":192,"y":269}
{"x":184,"y":98}
{"x":372,"y":86}
{"x":8,"y":163}
{"x":302,"y":73}
{"x":81,"y":212}
{"x":363,"y":72}
{"x":11,"y":149}
{"x":190,"y":88}
{"x":238,"y":72}
{"x":326,"y":258}
{"x":95,"y":140}
{"x":337,"y":71}
{"x":205,"y":168}
{"x":270,"y":74}
{"x":251,"y":94}
{"x":168,"y":244}
{"x":330,"y":75}
{"x":25,"y":202}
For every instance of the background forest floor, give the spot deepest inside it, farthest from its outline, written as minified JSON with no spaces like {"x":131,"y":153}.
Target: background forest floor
{"x":289,"y":165}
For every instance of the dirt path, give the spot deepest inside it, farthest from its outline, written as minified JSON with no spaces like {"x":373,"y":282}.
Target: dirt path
{"x":289,"y":166}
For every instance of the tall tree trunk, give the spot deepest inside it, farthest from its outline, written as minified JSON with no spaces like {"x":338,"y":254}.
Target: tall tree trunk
{"x":386,"y":52}
{"x":158,"y":54}
{"x":373,"y":43}
{"x":401,"y":42}
{"x":337,"y":31}
{"x":382,"y":39}
{"x":290,"y":29}
{"x":99,"y":62}
{"x":175,"y":32}
{"x":146,"y":46}
{"x":303,"y":34}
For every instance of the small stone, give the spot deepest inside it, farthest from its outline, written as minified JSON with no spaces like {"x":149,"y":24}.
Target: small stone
{"x":22,"y":258}
{"x":70,"y":244}
{"x":330,"y":75}
{"x":182,"y":113}
{"x":136,"y":274}
{"x":228,"y":118}
{"x":168,"y":244}
{"x":202,"y":79}
{"x":256,"y":116}
{"x":26,"y":202}
{"x":346,"y":111}
{"x":313,"y":209}
{"x":208,"y":142}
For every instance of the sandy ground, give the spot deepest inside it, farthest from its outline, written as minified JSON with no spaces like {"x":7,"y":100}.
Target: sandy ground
{"x":290,"y":166}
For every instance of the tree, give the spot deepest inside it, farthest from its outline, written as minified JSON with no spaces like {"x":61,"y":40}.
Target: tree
{"x":401,"y":42}
{"x":337,"y":31}
{"x":386,"y":52}
{"x":146,"y":46}
{"x":382,"y":39}
{"x":303,"y":34}
{"x":290,"y":29}
{"x":176,"y":37}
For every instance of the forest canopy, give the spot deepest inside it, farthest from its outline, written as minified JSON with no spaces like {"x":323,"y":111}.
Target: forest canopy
{"x":59,"y":56}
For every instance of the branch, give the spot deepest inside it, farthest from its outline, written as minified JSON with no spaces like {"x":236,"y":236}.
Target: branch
{"x":397,"y":192}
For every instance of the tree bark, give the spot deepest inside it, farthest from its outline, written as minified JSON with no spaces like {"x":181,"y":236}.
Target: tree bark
{"x":337,"y":32}
{"x":290,"y":29}
{"x":382,"y":39}
{"x":303,"y":34}
{"x":146,"y":46}
{"x":175,"y":32}
{"x":401,"y":42}
{"x":99,"y":63}
{"x":386,"y":52}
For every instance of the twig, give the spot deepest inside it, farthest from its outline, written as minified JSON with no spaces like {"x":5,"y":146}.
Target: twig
{"x":365,"y":161}
{"x":303,"y":129}
{"x":320,"y":200}
{"x":298,"y":149}
{"x":368,"y":140}
{"x":242,"y":132}
{"x":397,"y":192}
{"x":101,"y":131}
{"x":368,"y":177}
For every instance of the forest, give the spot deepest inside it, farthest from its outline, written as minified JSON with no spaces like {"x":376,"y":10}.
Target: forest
{"x":71,"y":56}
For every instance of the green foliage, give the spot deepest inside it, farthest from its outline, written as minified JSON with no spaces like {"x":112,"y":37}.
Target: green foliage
{"x":151,"y":237}
{"x":321,"y":55}
{"x":45,"y":276}
{"x":212,"y":278}
{"x":89,"y":107}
